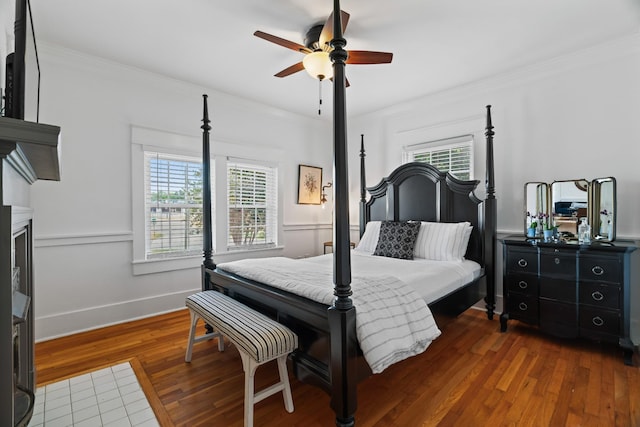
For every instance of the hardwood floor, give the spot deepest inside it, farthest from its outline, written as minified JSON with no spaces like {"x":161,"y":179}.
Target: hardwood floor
{"x":472,"y":375}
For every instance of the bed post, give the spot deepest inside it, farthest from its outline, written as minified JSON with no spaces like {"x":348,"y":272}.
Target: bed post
{"x":207,"y":263}
{"x":363,"y":188}
{"x":490,"y":218}
{"x":341,"y":314}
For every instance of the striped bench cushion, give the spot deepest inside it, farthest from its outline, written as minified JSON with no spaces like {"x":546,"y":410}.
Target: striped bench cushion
{"x":259,"y":336}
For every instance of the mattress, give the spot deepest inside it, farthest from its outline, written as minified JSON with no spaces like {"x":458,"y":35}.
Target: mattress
{"x":430,"y":279}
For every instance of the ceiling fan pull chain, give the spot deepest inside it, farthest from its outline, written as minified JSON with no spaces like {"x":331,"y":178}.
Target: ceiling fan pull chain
{"x":319,"y":97}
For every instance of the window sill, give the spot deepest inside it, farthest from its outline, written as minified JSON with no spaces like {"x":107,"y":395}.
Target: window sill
{"x":150,"y":266}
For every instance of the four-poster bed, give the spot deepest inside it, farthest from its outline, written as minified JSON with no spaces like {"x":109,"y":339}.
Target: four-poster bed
{"x":329,"y":355}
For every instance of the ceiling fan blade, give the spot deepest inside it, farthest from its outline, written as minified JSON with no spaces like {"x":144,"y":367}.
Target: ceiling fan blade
{"x":369,"y":57}
{"x":290,"y":70}
{"x":282,"y":42}
{"x":327,"y":31}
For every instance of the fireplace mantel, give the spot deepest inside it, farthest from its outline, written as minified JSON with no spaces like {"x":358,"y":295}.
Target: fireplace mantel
{"x":32,"y":149}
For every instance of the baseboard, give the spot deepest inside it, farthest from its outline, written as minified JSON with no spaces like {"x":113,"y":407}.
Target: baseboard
{"x":86,"y":319}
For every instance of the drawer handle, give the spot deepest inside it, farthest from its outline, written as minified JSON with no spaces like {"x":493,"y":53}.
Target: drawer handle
{"x":522,"y":284}
{"x":597,"y":270}
{"x":597,"y":321}
{"x":522,"y":262}
{"x":597,"y":295}
{"x":523,"y":307}
{"x":557,"y":261}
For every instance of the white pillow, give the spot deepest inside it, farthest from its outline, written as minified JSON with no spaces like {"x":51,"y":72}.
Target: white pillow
{"x":442,"y":241}
{"x":369,"y":239}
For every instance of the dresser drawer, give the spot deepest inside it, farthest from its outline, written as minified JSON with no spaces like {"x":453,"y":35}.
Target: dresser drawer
{"x":522,"y":261}
{"x":526,"y":284}
{"x":595,"y":322}
{"x":558,"y":289}
{"x":523,"y":307}
{"x":600,"y":268}
{"x":600,"y":295}
{"x":558,"y":263}
{"x":558,"y":318}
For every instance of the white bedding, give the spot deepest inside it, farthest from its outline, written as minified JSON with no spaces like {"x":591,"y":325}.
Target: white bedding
{"x":392,"y":321}
{"x":430,"y":279}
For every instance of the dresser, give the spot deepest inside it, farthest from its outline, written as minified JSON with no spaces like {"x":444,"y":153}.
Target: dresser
{"x":574,"y":291}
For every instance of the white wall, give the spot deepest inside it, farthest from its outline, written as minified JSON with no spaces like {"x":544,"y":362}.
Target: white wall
{"x":83,"y":224}
{"x":576,"y":116}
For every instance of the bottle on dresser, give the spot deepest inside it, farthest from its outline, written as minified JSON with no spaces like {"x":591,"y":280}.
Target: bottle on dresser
{"x":584,"y":232}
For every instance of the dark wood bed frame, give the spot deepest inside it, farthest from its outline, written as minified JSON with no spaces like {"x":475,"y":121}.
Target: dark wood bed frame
{"x":328,"y":355}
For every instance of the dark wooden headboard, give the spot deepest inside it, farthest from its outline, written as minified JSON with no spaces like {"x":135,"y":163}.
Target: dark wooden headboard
{"x":420,"y":192}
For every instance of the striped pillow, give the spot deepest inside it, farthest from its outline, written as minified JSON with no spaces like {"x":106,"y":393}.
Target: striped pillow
{"x":442,"y":241}
{"x":369,"y":239}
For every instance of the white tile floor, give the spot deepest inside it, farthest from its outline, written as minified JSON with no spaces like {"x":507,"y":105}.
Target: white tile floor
{"x":108,"y":397}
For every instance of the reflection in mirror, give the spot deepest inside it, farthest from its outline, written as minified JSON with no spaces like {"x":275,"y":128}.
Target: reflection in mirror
{"x":536,"y":200}
{"x":604,"y":208}
{"x":569,"y":203}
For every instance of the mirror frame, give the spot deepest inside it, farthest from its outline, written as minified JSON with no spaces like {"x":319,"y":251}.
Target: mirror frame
{"x":595,"y":204}
{"x":579,"y":191}
{"x":540,"y":195}
{"x":601,"y":208}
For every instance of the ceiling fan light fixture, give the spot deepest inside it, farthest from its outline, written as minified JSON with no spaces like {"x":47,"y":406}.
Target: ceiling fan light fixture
{"x":318,"y":65}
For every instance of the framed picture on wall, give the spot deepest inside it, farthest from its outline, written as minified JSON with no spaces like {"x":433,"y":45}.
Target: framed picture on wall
{"x":309,"y":184}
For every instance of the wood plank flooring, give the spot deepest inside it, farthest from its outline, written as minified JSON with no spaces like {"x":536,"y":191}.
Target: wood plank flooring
{"x":472,"y":375}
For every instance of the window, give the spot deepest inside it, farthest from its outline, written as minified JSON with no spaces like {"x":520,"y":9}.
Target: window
{"x":173,"y":205}
{"x":453,"y":155}
{"x":252,"y":205}
{"x":167,"y":188}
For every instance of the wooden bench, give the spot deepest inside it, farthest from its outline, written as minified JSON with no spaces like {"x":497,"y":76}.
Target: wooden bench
{"x":258,"y":339}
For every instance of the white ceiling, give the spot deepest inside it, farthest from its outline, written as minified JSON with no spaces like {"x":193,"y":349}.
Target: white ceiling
{"x":437,"y":44}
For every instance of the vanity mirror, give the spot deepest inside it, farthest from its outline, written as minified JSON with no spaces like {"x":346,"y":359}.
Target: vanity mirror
{"x":603,"y":196}
{"x":536,"y":201}
{"x":566,"y":202}
{"x":569,"y":204}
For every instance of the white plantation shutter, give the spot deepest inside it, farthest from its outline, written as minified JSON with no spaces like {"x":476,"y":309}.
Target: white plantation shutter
{"x":173,"y":205}
{"x":453,"y":155}
{"x":252,"y":205}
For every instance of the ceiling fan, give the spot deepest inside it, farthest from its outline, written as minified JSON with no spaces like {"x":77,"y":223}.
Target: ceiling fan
{"x":317,"y":48}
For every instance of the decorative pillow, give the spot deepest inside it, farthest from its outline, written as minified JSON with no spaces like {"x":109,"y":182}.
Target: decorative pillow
{"x":397,"y":239}
{"x":443,"y":241}
{"x":369,"y":239}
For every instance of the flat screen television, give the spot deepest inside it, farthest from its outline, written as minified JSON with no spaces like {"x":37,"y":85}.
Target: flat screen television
{"x":22,"y":69}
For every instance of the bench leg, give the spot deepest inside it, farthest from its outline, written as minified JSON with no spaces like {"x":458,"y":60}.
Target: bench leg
{"x":249,"y":365}
{"x":194,"y":339}
{"x":284,"y":379}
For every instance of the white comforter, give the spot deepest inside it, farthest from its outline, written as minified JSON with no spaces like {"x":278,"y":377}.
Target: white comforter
{"x":392,"y":321}
{"x":430,"y":279}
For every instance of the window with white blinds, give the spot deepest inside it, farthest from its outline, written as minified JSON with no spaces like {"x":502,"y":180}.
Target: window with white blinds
{"x":252,"y":205}
{"x":453,"y":155}
{"x":173,"y":205}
